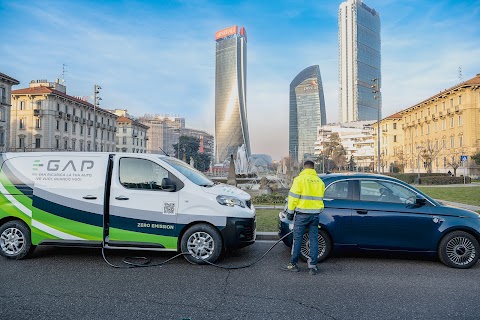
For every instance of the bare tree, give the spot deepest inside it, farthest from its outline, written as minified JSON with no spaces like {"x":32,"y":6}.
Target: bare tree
{"x":399,"y":158}
{"x":453,"y":161}
{"x":429,"y":153}
{"x":335,"y":151}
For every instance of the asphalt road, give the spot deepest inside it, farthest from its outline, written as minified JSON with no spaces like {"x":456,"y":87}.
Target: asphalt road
{"x":64,"y":283}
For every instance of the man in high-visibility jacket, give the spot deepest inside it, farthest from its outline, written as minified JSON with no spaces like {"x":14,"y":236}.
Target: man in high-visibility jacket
{"x":305,"y":203}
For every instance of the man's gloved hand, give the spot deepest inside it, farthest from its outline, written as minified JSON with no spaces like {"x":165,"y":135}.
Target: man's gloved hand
{"x":290,"y":216}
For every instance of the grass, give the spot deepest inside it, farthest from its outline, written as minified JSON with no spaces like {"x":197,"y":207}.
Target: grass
{"x":466,"y":195}
{"x":267,"y":220}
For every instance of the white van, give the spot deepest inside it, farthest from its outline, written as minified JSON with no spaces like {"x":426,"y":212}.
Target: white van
{"x":132,"y":201}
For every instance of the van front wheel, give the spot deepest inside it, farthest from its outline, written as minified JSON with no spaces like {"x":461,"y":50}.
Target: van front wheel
{"x":203,"y":243}
{"x":15,"y":240}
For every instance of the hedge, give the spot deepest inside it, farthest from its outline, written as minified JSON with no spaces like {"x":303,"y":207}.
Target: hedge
{"x":444,"y":180}
{"x":412,"y":177}
{"x":269,"y":198}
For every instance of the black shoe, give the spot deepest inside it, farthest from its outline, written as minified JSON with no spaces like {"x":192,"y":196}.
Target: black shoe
{"x":313,"y":271}
{"x":291,"y":267}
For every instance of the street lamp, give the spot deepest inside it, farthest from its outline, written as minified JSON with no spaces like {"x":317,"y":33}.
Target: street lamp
{"x":376,"y":92}
{"x":96,"y":103}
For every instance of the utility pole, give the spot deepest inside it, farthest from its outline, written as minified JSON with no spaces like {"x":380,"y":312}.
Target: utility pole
{"x":376,"y":92}
{"x":96,"y":103}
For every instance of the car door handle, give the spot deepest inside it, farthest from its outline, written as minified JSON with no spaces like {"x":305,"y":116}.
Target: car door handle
{"x":121,"y":198}
{"x":89,"y":197}
{"x":362,"y":211}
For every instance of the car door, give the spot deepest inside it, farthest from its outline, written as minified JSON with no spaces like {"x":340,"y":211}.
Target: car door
{"x":385,"y":216}
{"x":336,"y":216}
{"x":141,"y":212}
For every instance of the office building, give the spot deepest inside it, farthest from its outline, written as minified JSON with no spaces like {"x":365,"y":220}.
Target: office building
{"x":307,"y":112}
{"x":231,"y":124}
{"x":359,"y":61}
{"x":6,"y":84}
{"x":45,"y":118}
{"x":163,"y":133}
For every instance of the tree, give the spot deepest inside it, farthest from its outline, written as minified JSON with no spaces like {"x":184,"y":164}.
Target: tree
{"x":351,"y":164}
{"x":399,"y":158}
{"x":188,"y":148}
{"x":453,"y":161}
{"x":335,"y":151}
{"x":428,"y":154}
{"x":476,"y":158}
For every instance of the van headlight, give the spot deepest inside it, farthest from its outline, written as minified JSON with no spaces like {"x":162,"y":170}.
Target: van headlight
{"x":230,"y":201}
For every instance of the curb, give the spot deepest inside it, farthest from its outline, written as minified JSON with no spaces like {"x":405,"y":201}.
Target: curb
{"x":267,"y":236}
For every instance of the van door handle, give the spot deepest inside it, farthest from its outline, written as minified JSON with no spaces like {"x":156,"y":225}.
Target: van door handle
{"x":89,"y":197}
{"x":121,"y":198}
{"x":362,"y":211}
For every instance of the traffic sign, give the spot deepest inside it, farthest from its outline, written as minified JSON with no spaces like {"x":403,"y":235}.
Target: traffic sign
{"x":463,"y":158}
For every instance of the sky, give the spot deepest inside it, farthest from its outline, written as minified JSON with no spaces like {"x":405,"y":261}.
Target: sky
{"x":158,"y":57}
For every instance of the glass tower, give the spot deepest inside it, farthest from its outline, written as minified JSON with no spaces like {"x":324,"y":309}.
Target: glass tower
{"x":231,"y":127}
{"x":307,"y":112}
{"x":359,"y":61}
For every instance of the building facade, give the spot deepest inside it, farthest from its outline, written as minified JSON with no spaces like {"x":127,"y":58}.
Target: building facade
{"x":231,"y":125}
{"x":307,"y":112}
{"x":359,"y":61}
{"x":131,"y":135}
{"x":6,"y":84}
{"x":164,"y":132}
{"x":44,"y":117}
{"x":442,"y":128}
{"x":356,"y":139}
{"x":391,"y":143}
{"x":206,"y":140}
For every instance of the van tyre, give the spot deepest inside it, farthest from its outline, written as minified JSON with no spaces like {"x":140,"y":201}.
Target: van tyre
{"x":203,"y":243}
{"x":15,"y":240}
{"x":324,"y":246}
{"x":459,"y":249}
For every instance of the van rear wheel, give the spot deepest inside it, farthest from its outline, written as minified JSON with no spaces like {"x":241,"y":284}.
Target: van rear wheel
{"x":15,"y":240}
{"x":203,"y":243}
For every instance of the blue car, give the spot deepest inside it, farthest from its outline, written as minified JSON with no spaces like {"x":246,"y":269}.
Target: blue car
{"x":376,"y":212}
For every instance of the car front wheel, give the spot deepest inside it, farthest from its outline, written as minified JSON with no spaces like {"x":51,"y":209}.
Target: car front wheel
{"x":203,"y":243}
{"x":15,"y":240}
{"x":459,"y":249}
{"x":324,"y":246}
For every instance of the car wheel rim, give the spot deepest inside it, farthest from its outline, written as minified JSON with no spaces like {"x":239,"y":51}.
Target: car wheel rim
{"x":200,"y":245}
{"x":12,"y":241}
{"x":306,"y":245}
{"x":460,"y":250}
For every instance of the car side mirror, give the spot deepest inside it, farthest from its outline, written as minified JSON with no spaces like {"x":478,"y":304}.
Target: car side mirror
{"x":420,"y":200}
{"x":168,"y":185}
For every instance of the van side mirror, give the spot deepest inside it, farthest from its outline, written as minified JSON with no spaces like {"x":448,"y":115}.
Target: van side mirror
{"x":420,"y":200}
{"x":168,"y":185}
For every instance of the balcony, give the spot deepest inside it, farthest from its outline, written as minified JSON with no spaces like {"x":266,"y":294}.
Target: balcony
{"x":98,"y":125}
{"x":84,"y":121}
{"x":146,"y":137}
{"x":69,"y":116}
{"x":37,"y":112}
{"x":76,"y":119}
{"x":90,"y":122}
{"x":457,"y":109}
{"x":59,"y":114}
{"x":103,"y":126}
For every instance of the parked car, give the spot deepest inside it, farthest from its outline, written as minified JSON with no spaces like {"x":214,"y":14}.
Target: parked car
{"x":376,"y":212}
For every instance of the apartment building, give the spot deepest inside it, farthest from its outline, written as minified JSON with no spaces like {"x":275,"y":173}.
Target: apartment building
{"x":6,"y":84}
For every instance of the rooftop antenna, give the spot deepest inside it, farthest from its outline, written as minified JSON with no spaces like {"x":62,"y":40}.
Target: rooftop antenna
{"x":63,"y":72}
{"x":460,"y":76}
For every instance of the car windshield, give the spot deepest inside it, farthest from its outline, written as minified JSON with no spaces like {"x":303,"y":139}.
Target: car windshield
{"x":192,"y":174}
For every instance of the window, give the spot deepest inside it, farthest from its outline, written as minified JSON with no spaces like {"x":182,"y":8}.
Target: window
{"x":39,"y":104}
{"x":435,"y":109}
{"x":74,"y":128}
{"x":73,"y":111}
{"x":383,"y":191}
{"x":394,"y":138}
{"x":38,"y":123}
{"x":460,"y":141}
{"x":451,"y":122}
{"x":451,"y":103}
{"x":57,"y":143}
{"x":89,"y":146}
{"x":435,"y":126}
{"x":22,"y":105}
{"x":337,"y":190}
{"x":58,"y":125}
{"x":66,"y":109}
{"x":101,"y":135}
{"x":21,"y":142}
{"x":443,"y":103}
{"x":124,"y":129}
{"x":459,"y":99}
{"x":65,"y":145}
{"x":460,"y":122}
{"x":66,"y":126}
{"x":2,"y":113}
{"x":4,"y":95}
{"x":124,"y":140}
{"x":22,"y":123}
{"x":394,"y":126}
{"x":81,"y":129}
{"x":73,"y":145}
{"x":444,"y":124}
{"x":141,"y":174}
{"x":452,"y":142}
{"x":444,"y":143}
{"x":81,"y":146}
{"x":89,"y":132}
{"x":37,"y":143}
{"x":428,"y":128}
{"x":2,"y":137}
{"x":58,"y":106}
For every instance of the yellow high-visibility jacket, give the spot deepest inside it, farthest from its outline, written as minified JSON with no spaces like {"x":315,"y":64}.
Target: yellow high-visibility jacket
{"x":306,"y":193}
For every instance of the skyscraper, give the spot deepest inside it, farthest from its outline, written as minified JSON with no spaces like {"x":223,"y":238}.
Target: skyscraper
{"x":231,"y":127}
{"x":359,"y":61}
{"x":307,"y":112}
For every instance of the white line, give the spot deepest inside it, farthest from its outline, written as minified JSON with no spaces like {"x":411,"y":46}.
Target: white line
{"x":15,"y":202}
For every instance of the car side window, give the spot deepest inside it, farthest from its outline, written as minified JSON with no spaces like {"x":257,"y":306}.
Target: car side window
{"x":141,"y":174}
{"x":337,"y":190}
{"x":384,"y":191}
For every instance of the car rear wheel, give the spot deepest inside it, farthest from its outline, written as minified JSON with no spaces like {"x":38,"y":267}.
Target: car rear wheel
{"x":324,"y":246}
{"x":203,"y":243}
{"x":459,"y":249}
{"x":15,"y":240}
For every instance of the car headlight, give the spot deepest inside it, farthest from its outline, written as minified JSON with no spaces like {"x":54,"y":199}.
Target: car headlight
{"x":230,"y":201}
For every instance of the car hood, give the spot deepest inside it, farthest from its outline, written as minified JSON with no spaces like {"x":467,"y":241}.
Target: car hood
{"x":227,"y":190}
{"x":450,"y":210}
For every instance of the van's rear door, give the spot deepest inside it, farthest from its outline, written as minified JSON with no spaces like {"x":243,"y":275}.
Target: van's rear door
{"x":68,"y":195}
{"x":141,"y":213}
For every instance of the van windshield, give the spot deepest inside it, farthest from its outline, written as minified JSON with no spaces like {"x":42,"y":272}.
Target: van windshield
{"x":192,"y":174}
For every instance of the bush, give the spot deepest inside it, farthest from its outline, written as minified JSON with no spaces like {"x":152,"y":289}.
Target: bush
{"x":269,"y":198}
{"x":412,"y":177}
{"x":444,"y":180}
